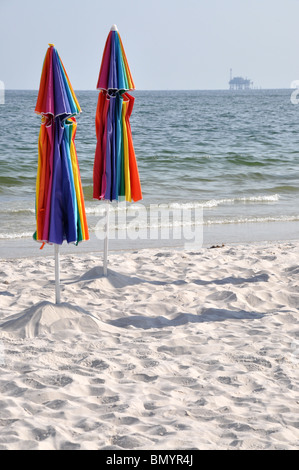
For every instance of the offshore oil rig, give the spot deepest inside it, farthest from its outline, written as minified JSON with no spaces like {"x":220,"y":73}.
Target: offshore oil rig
{"x":239,"y":83}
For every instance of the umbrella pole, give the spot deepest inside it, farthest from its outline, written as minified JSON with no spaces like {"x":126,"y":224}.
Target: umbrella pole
{"x":57,"y":274}
{"x":105,"y":270}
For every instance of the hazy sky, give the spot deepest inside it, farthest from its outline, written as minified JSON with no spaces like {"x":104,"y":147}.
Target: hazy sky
{"x":170,"y":44}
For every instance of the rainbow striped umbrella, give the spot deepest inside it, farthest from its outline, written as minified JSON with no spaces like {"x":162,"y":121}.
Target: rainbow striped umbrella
{"x":115,"y":172}
{"x":60,"y":208}
{"x":115,"y":72}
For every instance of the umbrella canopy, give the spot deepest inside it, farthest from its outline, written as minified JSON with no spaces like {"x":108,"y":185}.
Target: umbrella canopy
{"x":115,"y":173}
{"x":60,"y":208}
{"x":115,"y":72}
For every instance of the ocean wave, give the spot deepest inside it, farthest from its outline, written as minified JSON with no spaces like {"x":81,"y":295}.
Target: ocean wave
{"x":13,"y":236}
{"x":244,"y":200}
{"x":252,"y":220}
{"x":101,"y":208}
{"x":17,"y":211}
{"x":286,"y":189}
{"x":18,"y":180}
{"x":236,"y":159}
{"x":218,"y":202}
{"x":142,"y":224}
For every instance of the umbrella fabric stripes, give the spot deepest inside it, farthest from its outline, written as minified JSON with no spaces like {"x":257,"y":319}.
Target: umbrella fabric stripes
{"x":115,"y":173}
{"x":56,"y":95}
{"x":132,"y":184}
{"x":60,"y":207}
{"x":115,"y":72}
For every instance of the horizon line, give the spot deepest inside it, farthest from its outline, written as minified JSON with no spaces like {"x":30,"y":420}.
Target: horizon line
{"x":163,"y":89}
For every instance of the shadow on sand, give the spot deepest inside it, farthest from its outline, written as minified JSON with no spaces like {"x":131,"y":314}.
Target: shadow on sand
{"x":208,"y":315}
{"x":120,"y":280}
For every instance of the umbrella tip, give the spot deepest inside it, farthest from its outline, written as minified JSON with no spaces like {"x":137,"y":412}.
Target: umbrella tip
{"x":114,"y":28}
{"x":51,"y":45}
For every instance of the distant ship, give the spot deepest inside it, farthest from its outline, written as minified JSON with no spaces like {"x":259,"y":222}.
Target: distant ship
{"x":239,"y":83}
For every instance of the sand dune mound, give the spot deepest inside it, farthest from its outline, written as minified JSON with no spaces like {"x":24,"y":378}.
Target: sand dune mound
{"x":46,"y":317}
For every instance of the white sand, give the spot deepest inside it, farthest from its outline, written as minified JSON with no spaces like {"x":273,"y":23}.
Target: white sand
{"x":174,"y":350}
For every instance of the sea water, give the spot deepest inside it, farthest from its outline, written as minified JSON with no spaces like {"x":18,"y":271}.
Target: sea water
{"x":234,"y":156}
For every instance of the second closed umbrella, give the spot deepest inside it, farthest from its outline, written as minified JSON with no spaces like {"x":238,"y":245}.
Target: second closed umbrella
{"x":60,"y":208}
{"x":115,"y":173}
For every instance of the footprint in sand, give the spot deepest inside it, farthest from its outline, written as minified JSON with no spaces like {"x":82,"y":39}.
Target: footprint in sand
{"x":145,"y":377}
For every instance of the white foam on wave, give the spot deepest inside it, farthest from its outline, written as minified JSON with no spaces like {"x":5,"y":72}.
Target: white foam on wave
{"x":250,"y":220}
{"x":13,"y":235}
{"x":149,"y":215}
{"x":17,"y":211}
{"x":101,"y":208}
{"x":245,"y":200}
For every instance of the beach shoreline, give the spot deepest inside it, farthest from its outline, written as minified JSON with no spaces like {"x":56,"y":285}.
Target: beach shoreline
{"x":211,"y":235}
{"x":175,"y":349}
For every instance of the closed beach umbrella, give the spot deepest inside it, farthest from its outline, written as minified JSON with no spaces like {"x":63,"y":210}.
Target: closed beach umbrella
{"x":115,"y":72}
{"x":115,"y":172}
{"x":60,"y":207}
